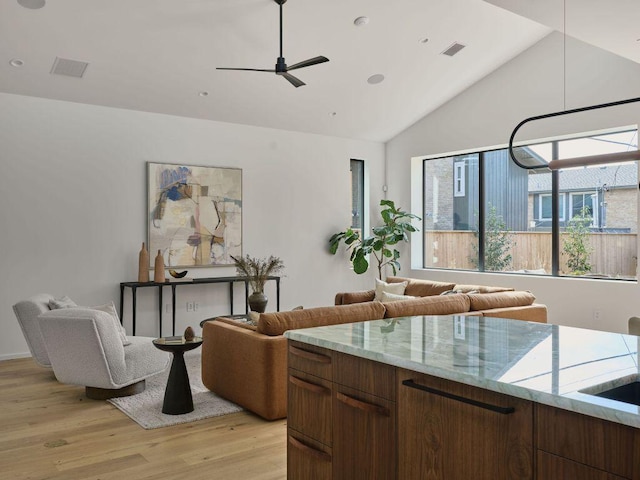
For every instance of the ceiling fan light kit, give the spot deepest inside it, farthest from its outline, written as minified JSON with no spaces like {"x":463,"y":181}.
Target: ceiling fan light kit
{"x":281,"y":67}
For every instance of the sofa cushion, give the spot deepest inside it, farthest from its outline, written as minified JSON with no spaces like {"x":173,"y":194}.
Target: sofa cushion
{"x":397,"y":288}
{"x":347,"y":298}
{"x":531,"y":313}
{"x":486,"y":301}
{"x":422,"y":288}
{"x":433,"y":305}
{"x":277,"y":323}
{"x":391,"y":297}
{"x":481,"y":289}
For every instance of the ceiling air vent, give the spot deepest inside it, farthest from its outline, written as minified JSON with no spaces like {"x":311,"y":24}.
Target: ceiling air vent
{"x":454,"y":48}
{"x":70,"y":68}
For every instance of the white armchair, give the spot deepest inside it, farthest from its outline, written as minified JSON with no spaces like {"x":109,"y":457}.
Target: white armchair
{"x":27,"y":312}
{"x":86,"y":348}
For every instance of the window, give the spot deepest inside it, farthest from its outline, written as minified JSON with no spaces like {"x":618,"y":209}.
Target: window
{"x":483,"y":212}
{"x":450,"y":219}
{"x":582,"y":204}
{"x":544,"y":207}
{"x":458,"y":179}
{"x":357,"y":194}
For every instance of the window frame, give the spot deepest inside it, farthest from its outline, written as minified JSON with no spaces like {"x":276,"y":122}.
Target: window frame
{"x":562,"y":208}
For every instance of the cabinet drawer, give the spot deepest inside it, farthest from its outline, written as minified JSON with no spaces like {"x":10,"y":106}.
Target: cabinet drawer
{"x":598,"y":443}
{"x":364,"y":436}
{"x":309,"y":405}
{"x":552,"y":467}
{"x":311,"y":359}
{"x":307,"y":459}
{"x":365,"y":375}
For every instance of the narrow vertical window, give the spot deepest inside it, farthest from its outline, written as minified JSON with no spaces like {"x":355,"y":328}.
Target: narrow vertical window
{"x":459,"y":187}
{"x":357,"y":194}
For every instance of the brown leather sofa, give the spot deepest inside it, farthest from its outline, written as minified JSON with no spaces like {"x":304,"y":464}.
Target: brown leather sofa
{"x":247,"y":364}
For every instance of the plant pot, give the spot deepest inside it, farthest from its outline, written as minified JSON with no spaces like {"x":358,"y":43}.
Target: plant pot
{"x":257,"y":302}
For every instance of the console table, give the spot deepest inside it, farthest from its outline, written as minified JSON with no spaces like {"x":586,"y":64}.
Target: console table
{"x":174,"y":285}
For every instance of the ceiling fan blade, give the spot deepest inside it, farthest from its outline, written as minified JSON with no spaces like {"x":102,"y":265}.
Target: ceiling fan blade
{"x":246,"y":69}
{"x":309,"y":62}
{"x":296,"y":82}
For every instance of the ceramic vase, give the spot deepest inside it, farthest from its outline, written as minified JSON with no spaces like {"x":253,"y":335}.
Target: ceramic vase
{"x":257,"y":302}
{"x":143,"y":264}
{"x":158,"y":274}
{"x":189,"y":334}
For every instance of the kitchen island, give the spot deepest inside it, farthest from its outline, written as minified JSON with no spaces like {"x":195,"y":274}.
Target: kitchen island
{"x":461,"y":397}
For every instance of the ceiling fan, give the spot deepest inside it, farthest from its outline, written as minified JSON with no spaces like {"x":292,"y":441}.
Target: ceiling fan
{"x":281,"y":67}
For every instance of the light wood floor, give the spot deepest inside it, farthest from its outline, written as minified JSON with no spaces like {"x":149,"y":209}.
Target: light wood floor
{"x":52,"y":431}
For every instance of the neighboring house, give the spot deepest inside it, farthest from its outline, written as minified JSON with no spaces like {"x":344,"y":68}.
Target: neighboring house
{"x":607,"y":192}
{"x":453,"y":201}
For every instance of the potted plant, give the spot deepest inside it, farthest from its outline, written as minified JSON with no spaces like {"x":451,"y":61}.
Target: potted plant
{"x":257,"y":270}
{"x":396,"y":227}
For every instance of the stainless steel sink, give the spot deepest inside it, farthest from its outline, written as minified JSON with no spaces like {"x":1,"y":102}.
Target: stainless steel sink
{"x":625,"y":390}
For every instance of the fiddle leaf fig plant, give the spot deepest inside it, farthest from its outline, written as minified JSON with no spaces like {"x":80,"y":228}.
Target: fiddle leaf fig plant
{"x":396,"y":228}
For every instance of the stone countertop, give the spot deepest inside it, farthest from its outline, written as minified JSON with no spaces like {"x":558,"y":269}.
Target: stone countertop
{"x":544,"y":363}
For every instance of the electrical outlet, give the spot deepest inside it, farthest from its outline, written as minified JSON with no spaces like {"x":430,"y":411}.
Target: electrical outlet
{"x":195,"y":306}
{"x":189,"y":306}
{"x":597,"y":314}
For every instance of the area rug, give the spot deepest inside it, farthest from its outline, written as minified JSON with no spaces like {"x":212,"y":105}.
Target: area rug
{"x":146,"y":408}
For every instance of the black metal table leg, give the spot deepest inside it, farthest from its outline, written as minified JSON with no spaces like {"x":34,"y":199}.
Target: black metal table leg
{"x":160,"y":301}
{"x":173,"y":307}
{"x":133,"y":313}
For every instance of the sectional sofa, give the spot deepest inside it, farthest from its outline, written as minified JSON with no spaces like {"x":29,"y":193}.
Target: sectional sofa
{"x":247,"y":364}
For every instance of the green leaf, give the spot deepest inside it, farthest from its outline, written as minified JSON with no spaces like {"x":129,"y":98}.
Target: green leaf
{"x":360,"y":264}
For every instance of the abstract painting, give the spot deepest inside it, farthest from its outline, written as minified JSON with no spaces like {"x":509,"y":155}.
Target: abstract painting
{"x":194,"y":214}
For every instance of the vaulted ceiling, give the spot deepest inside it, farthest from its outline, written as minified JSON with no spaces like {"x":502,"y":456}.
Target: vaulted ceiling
{"x":161,"y":55}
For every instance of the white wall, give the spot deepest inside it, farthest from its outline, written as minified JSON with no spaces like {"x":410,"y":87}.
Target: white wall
{"x":485,"y":115}
{"x":73,"y":203}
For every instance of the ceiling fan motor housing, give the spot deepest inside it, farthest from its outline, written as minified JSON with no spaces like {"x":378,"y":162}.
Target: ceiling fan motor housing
{"x":281,"y":67}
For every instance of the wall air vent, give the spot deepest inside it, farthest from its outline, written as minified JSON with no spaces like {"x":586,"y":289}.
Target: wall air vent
{"x":454,"y":48}
{"x":70,"y":68}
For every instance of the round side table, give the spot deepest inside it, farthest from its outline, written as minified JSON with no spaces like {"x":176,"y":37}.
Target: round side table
{"x":177,"y":395}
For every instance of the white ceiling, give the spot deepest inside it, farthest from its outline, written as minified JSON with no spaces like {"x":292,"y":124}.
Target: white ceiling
{"x":157,"y":55}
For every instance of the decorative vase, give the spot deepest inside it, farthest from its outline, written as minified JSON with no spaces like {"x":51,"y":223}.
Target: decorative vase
{"x":257,"y":302}
{"x":143,"y":264}
{"x":158,"y":274}
{"x":189,"y":334}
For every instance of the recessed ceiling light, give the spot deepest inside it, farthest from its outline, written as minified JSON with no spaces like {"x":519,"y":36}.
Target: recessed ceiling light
{"x":360,"y":21}
{"x":374,"y":79}
{"x":32,"y":4}
{"x":203,"y":94}
{"x":16,"y":62}
{"x":424,"y":40}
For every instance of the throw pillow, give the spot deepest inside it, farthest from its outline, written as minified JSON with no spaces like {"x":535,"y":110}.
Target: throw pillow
{"x":253,"y":318}
{"x":110,"y":308}
{"x":392,"y":297}
{"x":63,"y":302}
{"x":451,"y":292}
{"x":394,"y":288}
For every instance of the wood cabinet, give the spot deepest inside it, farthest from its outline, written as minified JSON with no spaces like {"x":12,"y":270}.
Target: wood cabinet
{"x":352,"y":418}
{"x":449,"y":430}
{"x":569,"y":441}
{"x":341,"y":416}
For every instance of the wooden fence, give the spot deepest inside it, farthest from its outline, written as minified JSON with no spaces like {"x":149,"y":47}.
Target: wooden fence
{"x":613,"y":254}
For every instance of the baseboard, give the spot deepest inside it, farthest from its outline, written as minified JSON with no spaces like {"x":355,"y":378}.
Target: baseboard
{"x":13,"y":356}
